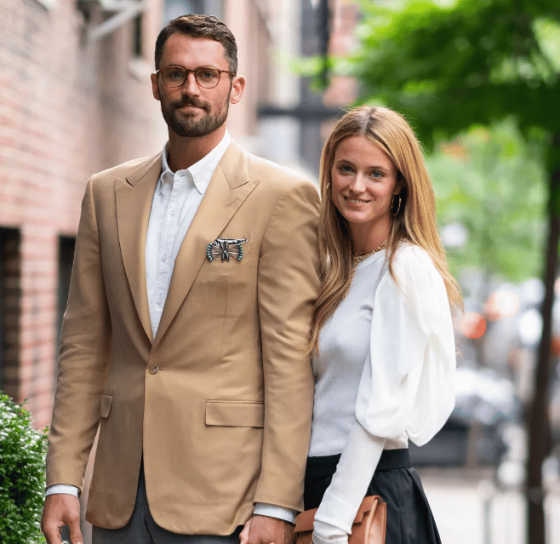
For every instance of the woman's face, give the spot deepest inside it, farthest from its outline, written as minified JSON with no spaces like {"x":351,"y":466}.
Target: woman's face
{"x":364,"y":180}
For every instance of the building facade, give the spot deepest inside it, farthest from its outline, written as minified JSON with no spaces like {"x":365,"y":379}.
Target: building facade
{"x":71,"y":103}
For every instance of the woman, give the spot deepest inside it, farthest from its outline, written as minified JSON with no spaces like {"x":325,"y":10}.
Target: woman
{"x":382,"y":337}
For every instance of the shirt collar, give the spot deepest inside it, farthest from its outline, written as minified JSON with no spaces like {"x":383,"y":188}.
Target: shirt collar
{"x":201,"y":171}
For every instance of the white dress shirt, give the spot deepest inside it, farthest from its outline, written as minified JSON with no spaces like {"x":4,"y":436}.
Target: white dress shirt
{"x":176,"y":199}
{"x":174,"y":204}
{"x":384,"y":374}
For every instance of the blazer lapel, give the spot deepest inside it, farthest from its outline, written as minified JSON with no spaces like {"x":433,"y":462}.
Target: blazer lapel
{"x":228,"y":189}
{"x":134,"y":200}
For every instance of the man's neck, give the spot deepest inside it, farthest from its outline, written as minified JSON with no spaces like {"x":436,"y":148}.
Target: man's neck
{"x":184,"y":152}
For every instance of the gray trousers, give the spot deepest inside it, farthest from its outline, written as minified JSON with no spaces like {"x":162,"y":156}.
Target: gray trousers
{"x":142,"y":529}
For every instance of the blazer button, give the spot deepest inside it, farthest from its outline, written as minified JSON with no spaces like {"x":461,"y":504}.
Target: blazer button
{"x":154,"y":369}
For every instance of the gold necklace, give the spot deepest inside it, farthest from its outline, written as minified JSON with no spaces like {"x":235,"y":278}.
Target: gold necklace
{"x":357,"y":259}
{"x":366,"y":254}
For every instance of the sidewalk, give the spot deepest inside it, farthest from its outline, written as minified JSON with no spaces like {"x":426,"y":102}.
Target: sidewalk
{"x":468,"y":512}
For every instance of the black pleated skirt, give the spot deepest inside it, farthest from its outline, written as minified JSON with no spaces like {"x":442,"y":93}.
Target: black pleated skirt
{"x":409,"y":517}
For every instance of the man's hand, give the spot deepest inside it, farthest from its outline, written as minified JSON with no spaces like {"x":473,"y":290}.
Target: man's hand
{"x":267,"y":530}
{"x":60,"y":510}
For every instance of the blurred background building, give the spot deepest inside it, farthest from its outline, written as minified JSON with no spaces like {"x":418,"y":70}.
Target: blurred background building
{"x":75,"y":98}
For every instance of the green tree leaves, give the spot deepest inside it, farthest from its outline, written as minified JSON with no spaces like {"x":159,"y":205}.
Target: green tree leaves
{"x":493,"y":183}
{"x":447,"y":67}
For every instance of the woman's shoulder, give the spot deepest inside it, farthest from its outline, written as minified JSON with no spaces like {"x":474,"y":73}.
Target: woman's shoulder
{"x":412,"y":259}
{"x":409,"y":254}
{"x":414,"y":269}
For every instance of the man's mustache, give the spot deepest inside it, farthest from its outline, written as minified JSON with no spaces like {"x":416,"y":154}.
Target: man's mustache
{"x":189,"y":101}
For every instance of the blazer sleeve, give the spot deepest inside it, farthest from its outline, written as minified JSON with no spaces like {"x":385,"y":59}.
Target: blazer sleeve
{"x":288,"y":284}
{"x":83,"y":357}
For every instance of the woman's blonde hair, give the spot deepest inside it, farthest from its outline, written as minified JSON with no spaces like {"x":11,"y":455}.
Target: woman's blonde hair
{"x":414,"y":221}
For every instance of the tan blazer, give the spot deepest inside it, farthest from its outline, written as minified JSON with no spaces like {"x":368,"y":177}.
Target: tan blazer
{"x":220,"y":402}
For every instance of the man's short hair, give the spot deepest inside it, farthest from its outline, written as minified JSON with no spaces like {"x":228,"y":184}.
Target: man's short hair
{"x":200,"y":26}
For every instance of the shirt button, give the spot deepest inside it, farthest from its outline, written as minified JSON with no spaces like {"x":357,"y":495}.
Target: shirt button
{"x":164,"y":258}
{"x":154,"y":369}
{"x":159,"y":300}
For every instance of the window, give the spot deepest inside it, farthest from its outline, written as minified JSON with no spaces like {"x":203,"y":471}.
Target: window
{"x":176,"y":8}
{"x":66,"y":247}
{"x":10,"y":302}
{"x":137,"y":37}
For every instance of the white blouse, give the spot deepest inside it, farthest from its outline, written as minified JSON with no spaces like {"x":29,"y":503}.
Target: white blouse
{"x":405,"y":385}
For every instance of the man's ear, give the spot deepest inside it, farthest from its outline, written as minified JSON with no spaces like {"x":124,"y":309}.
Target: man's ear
{"x":155,"y":89}
{"x":237,"y":87}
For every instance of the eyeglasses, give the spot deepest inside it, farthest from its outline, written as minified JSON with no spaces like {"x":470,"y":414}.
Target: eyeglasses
{"x":206,"y":76}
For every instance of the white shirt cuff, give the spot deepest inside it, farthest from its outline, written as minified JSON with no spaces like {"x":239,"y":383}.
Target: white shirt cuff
{"x":62,"y":489}
{"x":273,"y":511}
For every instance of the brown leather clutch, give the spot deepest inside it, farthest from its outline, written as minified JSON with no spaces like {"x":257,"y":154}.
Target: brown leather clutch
{"x":369,"y":527}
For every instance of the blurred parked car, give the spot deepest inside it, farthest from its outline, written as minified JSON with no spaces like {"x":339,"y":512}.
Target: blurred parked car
{"x":485,"y":404}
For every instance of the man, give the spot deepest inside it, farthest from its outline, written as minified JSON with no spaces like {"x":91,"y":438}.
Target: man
{"x":186,"y":329}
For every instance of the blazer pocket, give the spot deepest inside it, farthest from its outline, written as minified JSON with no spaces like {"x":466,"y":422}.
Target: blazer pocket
{"x":234,"y":413}
{"x":106,"y":403}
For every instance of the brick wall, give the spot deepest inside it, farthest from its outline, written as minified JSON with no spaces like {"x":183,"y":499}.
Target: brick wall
{"x":345,"y":15}
{"x":68,"y":107}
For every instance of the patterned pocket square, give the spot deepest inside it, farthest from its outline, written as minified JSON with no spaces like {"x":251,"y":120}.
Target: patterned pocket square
{"x":225,"y":248}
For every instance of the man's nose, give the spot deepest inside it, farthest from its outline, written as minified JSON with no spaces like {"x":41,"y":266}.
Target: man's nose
{"x":191,"y":86}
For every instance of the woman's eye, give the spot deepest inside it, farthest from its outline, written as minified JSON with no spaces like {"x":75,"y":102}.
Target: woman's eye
{"x":344,"y":169}
{"x":376,"y":174}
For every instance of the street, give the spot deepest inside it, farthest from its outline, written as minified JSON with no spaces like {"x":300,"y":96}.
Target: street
{"x":468,"y":509}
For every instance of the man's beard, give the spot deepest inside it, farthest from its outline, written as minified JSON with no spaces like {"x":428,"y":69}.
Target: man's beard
{"x":187,"y":125}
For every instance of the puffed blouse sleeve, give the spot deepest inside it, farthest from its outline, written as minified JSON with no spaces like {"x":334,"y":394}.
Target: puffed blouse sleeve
{"x":408,"y":386}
